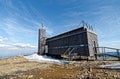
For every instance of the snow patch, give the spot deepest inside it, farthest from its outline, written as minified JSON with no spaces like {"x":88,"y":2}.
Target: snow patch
{"x":40,"y":58}
{"x":112,"y":66}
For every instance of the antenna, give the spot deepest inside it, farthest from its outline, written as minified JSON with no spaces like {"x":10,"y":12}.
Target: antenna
{"x":91,"y":27}
{"x":79,"y":24}
{"x":42,"y":25}
{"x":83,"y":23}
{"x":87,"y":25}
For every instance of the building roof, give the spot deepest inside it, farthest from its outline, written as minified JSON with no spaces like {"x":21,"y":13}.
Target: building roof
{"x":82,"y":29}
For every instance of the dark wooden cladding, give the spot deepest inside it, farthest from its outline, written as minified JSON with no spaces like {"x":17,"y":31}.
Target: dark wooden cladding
{"x":82,"y":39}
{"x":82,"y":29}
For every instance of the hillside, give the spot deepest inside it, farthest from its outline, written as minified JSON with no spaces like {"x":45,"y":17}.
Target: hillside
{"x":21,"y":68}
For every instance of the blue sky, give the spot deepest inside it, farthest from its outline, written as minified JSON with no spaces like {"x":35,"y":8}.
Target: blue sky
{"x":21,"y":19}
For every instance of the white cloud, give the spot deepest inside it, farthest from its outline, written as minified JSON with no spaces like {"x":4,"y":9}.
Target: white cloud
{"x":73,"y":14}
{"x":107,"y":24}
{"x":18,"y":46}
{"x":110,"y":43}
{"x":4,"y":45}
{"x":7,"y":47}
{"x":22,"y":45}
{"x":7,"y":50}
{"x":21,"y":27}
{"x":13,"y":27}
{"x":2,"y":39}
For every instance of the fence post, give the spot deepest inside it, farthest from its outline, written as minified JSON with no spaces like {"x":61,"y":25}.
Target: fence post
{"x":105,"y":53}
{"x":102,"y":53}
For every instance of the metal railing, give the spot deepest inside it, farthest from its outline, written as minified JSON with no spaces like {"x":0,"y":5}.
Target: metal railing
{"x":108,"y":52}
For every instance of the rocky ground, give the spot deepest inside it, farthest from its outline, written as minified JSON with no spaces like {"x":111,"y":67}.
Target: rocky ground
{"x":20,"y":68}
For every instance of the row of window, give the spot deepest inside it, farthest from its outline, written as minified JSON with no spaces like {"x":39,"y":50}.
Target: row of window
{"x":71,"y":46}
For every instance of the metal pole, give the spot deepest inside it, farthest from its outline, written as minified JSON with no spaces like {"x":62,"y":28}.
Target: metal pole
{"x":104,"y":53}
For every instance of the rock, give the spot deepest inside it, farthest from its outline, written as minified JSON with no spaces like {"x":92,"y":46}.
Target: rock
{"x":11,"y":78}
{"x":24,"y":76}
{"x":90,"y":69}
{"x":82,"y":76}
{"x":41,"y":78}
{"x":85,"y":73}
{"x":30,"y":76}
{"x":115,"y":76}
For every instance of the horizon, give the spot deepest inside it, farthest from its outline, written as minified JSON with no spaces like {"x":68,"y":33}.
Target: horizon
{"x":20,"y":21}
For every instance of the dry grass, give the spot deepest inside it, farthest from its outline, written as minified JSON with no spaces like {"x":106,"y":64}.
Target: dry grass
{"x":20,"y":68}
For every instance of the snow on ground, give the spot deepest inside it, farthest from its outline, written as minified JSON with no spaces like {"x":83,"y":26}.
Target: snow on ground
{"x":112,"y":66}
{"x":40,"y":58}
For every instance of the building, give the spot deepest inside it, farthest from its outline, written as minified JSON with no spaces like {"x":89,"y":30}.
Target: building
{"x":41,"y":41}
{"x":78,"y":42}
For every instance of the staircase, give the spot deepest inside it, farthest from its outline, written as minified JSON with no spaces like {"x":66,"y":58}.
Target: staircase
{"x":68,"y":54}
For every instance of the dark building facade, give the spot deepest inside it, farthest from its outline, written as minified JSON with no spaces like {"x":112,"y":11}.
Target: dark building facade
{"x":81,"y":42}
